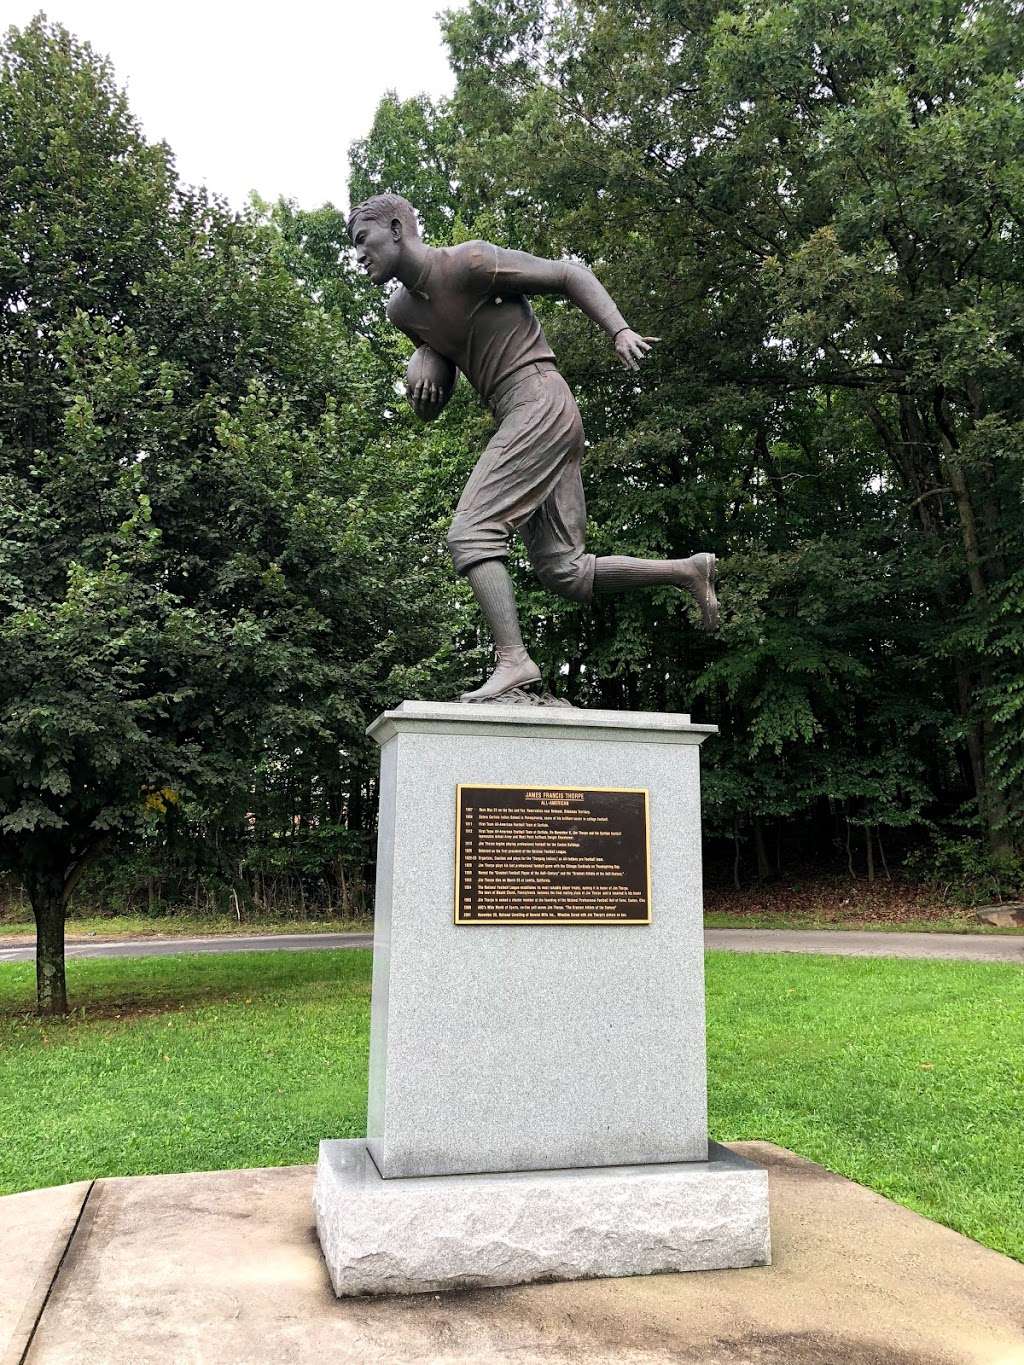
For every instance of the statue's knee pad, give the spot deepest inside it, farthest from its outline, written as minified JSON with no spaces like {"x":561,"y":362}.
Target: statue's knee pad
{"x":456,"y":538}
{"x":567,"y":576}
{"x":469,"y":543}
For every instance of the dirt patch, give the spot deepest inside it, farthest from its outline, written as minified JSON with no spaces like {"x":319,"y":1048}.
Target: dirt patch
{"x":127,"y":1009}
{"x":803,"y":1348}
{"x":839,"y":903}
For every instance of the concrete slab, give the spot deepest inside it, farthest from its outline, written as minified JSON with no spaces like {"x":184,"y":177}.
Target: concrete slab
{"x":35,"y":1229}
{"x":225,"y":1268}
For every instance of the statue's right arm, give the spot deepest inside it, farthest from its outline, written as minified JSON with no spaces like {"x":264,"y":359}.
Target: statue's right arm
{"x":412,"y":398}
{"x":417,"y":341}
{"x":517,"y":272}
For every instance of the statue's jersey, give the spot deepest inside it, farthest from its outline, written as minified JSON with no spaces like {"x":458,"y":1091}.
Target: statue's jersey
{"x":469,"y":305}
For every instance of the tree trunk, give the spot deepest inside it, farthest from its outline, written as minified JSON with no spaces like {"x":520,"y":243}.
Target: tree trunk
{"x":764,"y":867}
{"x":870,"y":850}
{"x":1000,"y":830}
{"x":968,"y":523}
{"x":45,"y":889}
{"x":881,"y":854}
{"x":990,"y":798}
{"x":736,"y":855}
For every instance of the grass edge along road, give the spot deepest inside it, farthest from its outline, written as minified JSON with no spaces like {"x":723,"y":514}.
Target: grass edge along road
{"x":950,"y":925}
{"x":117,"y":928}
{"x":903,"y":1075}
{"x":133,"y":928}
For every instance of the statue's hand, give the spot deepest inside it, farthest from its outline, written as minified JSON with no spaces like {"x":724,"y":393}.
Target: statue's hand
{"x":427,"y":400}
{"x":429,"y":382}
{"x":631,"y":348}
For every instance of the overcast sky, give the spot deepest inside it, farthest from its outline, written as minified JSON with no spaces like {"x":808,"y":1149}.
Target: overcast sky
{"x":258,"y":95}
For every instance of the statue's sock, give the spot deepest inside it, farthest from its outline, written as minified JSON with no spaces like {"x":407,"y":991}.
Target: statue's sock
{"x":621,"y":573}
{"x":493,"y":590}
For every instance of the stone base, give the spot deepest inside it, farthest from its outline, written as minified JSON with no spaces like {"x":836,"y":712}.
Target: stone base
{"x":550,"y":1046}
{"x":430,"y":1233}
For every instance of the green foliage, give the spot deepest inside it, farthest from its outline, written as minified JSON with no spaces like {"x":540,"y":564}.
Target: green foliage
{"x":965,"y":870}
{"x":211,"y":554}
{"x":408,"y":151}
{"x":1001,"y":640}
{"x":818,"y":210}
{"x":222,"y":533}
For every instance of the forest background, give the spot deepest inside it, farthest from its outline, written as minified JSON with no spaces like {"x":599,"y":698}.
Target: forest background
{"x":222,"y":530}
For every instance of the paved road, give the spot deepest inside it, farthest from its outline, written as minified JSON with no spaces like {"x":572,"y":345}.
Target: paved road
{"x":846,"y":943}
{"x":870,"y":943}
{"x":166,"y":947}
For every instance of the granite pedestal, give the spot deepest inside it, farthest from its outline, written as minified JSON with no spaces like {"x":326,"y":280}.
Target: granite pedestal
{"x":504,"y":1048}
{"x":431,"y":1233}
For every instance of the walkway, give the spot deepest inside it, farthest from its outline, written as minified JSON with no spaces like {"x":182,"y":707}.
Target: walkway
{"x":841,"y":942}
{"x":225,"y":1266}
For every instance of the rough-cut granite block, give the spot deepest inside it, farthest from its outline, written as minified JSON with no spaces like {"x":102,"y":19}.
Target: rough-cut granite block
{"x":533,"y":1046}
{"x":451,"y":1232}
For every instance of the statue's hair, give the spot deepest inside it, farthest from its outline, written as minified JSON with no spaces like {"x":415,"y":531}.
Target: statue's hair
{"x":383,"y":208}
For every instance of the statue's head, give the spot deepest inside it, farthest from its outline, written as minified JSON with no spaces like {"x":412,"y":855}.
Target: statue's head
{"x":379,"y":228}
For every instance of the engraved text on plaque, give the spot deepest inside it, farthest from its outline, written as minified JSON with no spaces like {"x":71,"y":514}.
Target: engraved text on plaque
{"x":552,"y":855}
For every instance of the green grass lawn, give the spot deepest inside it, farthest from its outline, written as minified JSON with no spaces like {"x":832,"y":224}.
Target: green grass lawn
{"x":183,"y":1063}
{"x":906,"y":1076}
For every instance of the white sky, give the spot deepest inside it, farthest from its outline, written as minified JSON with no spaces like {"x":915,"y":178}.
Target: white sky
{"x":256,"y":95}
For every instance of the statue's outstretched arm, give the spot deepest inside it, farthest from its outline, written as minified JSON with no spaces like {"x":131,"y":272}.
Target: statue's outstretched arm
{"x":517,"y":272}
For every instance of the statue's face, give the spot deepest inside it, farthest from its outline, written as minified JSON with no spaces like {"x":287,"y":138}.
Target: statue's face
{"x":378,"y":248}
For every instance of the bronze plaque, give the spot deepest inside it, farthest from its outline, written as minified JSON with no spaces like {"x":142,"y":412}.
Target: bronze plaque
{"x":552,"y":855}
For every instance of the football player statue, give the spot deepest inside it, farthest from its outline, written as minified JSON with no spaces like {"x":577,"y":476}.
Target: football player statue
{"x":467,"y":308}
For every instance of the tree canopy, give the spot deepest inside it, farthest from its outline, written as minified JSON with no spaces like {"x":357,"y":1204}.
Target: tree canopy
{"x":819,"y":210}
{"x":210,"y":559}
{"x":222,"y":532}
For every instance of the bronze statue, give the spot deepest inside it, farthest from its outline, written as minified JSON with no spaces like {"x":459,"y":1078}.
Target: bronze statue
{"x":466,"y":308}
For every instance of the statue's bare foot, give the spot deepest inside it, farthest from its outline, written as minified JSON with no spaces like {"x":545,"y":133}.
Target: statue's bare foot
{"x":698,"y":574}
{"x":515,"y":669}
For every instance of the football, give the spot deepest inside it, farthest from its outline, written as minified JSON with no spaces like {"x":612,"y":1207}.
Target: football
{"x":427,"y":367}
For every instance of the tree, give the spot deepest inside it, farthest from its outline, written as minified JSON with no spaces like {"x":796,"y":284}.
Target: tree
{"x":819,"y":209}
{"x":200,"y":513}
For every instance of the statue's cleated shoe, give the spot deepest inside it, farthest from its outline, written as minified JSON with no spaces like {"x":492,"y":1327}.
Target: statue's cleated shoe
{"x":515,"y":669}
{"x":703,"y":588}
